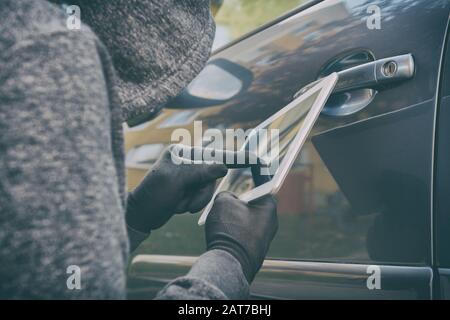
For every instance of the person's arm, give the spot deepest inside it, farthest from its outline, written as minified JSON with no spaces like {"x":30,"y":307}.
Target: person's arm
{"x":238,"y":236}
{"x":59,"y":192}
{"x":216,"y":275}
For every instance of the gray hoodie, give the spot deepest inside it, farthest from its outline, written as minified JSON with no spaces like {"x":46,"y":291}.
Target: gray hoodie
{"x":64,"y":95}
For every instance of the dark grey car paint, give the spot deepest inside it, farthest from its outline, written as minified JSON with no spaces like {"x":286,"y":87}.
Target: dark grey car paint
{"x":295,"y":279}
{"x":441,"y":214}
{"x":289,"y":55}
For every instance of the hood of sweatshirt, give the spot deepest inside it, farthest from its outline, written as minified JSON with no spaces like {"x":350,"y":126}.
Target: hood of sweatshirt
{"x":157,"y":47}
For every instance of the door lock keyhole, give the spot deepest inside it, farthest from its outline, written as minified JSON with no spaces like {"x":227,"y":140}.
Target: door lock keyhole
{"x":390,"y":68}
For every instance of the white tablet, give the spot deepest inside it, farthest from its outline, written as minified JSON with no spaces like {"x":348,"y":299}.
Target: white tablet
{"x":293,"y":124}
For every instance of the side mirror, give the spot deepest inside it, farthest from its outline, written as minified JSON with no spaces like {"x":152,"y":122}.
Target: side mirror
{"x":220,"y":81}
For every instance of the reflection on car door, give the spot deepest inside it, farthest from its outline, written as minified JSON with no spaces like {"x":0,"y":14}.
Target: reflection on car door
{"x":355,"y":210}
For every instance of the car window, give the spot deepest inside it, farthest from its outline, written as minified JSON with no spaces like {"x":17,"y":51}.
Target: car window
{"x":358,"y":192}
{"x":350,"y":196}
{"x":235,"y":18}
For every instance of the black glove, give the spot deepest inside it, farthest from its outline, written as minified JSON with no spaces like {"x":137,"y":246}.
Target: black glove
{"x":169,"y":189}
{"x":243,"y":230}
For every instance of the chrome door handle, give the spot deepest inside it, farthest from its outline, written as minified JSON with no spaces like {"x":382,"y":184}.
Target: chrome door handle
{"x":372,"y":75}
{"x":377,"y":73}
{"x":357,"y":86}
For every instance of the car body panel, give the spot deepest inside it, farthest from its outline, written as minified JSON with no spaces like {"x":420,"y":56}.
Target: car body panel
{"x":317,"y":222}
{"x":441,"y":203}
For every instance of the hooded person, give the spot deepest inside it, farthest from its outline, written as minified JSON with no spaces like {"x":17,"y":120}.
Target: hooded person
{"x":67,"y":224}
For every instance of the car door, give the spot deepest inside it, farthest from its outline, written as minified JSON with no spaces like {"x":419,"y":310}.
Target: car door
{"x":355,"y":211}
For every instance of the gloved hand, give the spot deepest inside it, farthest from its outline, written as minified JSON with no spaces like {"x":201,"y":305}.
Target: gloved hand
{"x":169,"y":189}
{"x":243,"y":230}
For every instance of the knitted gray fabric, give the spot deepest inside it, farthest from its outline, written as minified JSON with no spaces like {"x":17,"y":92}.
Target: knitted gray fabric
{"x":62,"y":176}
{"x":213,"y":276}
{"x":157,"y":47}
